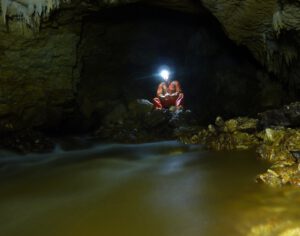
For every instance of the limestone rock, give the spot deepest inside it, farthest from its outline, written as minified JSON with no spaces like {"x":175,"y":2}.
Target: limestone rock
{"x":233,"y":134}
{"x":183,"y":118}
{"x":280,"y":147}
{"x":157,"y":118}
{"x":231,"y":141}
{"x":261,"y":27}
{"x":116,"y":116}
{"x":276,"y":227}
{"x":140,"y":123}
{"x":288,"y":116}
{"x":140,"y":107}
{"x":279,"y":176}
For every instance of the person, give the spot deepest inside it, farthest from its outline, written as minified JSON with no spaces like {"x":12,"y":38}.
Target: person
{"x":168,"y":93}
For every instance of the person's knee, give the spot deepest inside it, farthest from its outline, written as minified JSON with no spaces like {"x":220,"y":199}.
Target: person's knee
{"x":156,"y":100}
{"x":157,"y":103}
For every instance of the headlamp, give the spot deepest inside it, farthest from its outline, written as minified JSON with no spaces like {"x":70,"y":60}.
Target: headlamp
{"x":165,"y":74}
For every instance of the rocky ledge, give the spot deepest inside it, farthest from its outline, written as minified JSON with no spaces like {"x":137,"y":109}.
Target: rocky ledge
{"x":275,"y":135}
{"x":139,"y":122}
{"x":26,"y":141}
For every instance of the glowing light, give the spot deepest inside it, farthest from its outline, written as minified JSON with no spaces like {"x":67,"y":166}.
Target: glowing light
{"x":165,"y":74}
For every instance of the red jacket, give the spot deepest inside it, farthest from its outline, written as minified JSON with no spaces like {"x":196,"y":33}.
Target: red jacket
{"x":173,"y":87}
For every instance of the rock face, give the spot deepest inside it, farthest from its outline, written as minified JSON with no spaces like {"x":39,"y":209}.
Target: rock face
{"x":280,"y":147}
{"x":234,"y":134}
{"x":288,"y":116}
{"x":37,"y":77}
{"x":270,"y":29}
{"x":141,"y":123}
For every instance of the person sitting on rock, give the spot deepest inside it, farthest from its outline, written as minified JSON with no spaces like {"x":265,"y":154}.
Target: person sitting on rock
{"x":169,"y":93}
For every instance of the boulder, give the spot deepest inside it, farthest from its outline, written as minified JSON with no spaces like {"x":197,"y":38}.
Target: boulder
{"x":231,"y":141}
{"x":180,"y":118}
{"x":279,"y":176}
{"x":288,"y":116}
{"x":219,"y":122}
{"x":243,"y":124}
{"x":117,"y":115}
{"x":233,"y":134}
{"x":157,"y":118}
{"x":248,"y":125}
{"x":140,"y":107}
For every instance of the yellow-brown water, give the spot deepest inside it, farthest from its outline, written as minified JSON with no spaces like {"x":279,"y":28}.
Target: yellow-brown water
{"x":158,"y":189}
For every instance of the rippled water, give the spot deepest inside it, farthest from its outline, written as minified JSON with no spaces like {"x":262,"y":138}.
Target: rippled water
{"x":156,"y":189}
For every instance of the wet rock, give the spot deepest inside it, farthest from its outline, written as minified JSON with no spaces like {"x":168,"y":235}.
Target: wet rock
{"x":141,"y":123}
{"x":157,"y":118}
{"x":231,"y":141}
{"x":246,"y":124}
{"x":273,"y":136}
{"x":273,"y":118}
{"x":270,"y":178}
{"x":295,"y":179}
{"x":243,"y":124}
{"x":273,"y":227}
{"x":279,"y":144}
{"x":292,"y":112}
{"x":288,"y":116}
{"x":296,"y":154}
{"x":291,"y":232}
{"x":230,"y":126}
{"x":27,"y":141}
{"x":219,"y":122}
{"x":181,"y":118}
{"x":117,"y":115}
{"x":188,"y":134}
{"x":233,"y":134}
{"x":140,"y":107}
{"x":273,"y":154}
{"x":279,"y":147}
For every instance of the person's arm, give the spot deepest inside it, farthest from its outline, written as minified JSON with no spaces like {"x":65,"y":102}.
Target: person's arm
{"x":177,"y":89}
{"x":159,"y":92}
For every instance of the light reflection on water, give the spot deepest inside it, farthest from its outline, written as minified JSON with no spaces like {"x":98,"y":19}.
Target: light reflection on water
{"x":166,"y":189}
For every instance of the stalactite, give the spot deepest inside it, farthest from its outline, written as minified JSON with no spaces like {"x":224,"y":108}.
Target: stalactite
{"x":278,"y":24}
{"x":31,"y":11}
{"x":4,"y":6}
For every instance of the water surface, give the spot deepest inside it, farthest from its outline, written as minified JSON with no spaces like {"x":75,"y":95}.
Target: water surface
{"x":155,"y":189}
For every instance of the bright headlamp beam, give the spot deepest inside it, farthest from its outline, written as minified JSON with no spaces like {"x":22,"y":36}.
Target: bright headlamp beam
{"x":165,"y":74}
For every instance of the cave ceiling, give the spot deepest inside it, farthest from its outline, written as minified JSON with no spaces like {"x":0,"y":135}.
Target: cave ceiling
{"x":269,"y":29}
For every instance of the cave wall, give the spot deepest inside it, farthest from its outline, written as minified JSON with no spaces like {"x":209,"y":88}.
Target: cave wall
{"x":269,"y":29}
{"x":37,"y":73}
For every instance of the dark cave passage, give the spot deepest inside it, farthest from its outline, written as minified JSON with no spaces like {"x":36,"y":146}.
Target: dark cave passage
{"x":123,"y":48}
